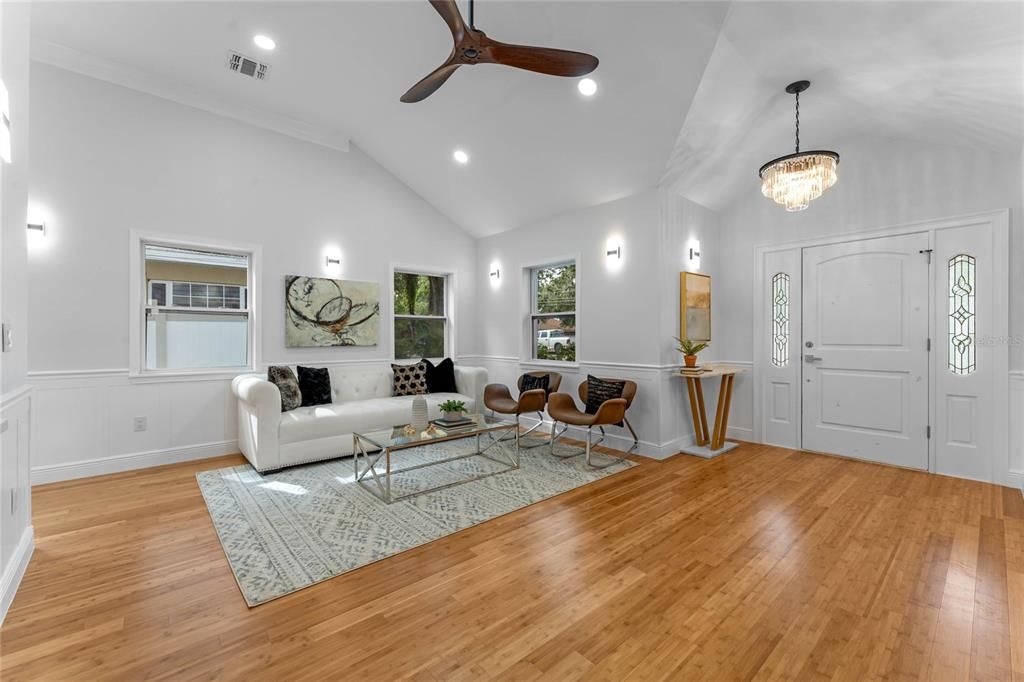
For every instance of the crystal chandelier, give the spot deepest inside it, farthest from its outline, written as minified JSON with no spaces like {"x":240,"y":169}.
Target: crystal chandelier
{"x":797,"y":179}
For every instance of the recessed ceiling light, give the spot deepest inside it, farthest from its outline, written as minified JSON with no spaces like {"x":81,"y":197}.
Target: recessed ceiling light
{"x":587,"y":87}
{"x":460,"y":156}
{"x":264,"y":42}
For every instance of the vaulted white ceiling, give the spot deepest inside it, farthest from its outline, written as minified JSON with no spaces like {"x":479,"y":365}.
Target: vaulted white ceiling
{"x":691,"y":94}
{"x":537,"y":147}
{"x":947,"y":73}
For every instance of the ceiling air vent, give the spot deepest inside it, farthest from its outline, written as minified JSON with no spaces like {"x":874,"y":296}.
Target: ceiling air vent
{"x":247,"y":67}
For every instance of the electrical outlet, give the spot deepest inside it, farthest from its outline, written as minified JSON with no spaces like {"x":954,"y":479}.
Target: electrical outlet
{"x":139,"y":423}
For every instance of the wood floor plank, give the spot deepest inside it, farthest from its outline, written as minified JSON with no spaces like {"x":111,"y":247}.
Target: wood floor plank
{"x":762,"y":564}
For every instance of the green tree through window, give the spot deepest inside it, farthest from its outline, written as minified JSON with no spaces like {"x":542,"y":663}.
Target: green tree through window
{"x":553,"y":318}
{"x":421,"y":322}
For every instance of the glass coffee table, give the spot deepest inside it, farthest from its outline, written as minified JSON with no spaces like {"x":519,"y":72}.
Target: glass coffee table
{"x":373,"y":446}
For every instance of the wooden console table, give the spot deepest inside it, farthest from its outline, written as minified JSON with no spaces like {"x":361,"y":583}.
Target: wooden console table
{"x":710,"y":446}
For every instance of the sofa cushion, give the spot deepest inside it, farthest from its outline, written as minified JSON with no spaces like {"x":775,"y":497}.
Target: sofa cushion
{"x":284,"y":378}
{"x":315,"y":385}
{"x":355,"y":382}
{"x":440,"y":377}
{"x":410,"y":379}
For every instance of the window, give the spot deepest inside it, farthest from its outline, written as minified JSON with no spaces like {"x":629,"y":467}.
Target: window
{"x":421,"y":315}
{"x":197,"y":295}
{"x":196,"y":308}
{"x":780,"y":319}
{"x":961,"y":314}
{"x":553,"y":314}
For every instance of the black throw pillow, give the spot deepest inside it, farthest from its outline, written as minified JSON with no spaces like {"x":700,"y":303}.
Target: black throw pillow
{"x":284,"y":379}
{"x":315,"y":385}
{"x":600,"y":390}
{"x":531,"y":382}
{"x":441,"y":378}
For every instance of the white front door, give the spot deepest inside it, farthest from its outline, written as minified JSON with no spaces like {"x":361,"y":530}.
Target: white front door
{"x":865,"y":349}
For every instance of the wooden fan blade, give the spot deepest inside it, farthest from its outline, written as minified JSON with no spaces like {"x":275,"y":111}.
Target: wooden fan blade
{"x":428,"y":85}
{"x":449,"y":11}
{"x":542,"y":59}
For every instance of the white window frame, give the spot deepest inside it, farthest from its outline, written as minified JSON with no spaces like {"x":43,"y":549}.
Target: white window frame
{"x":138,"y":301}
{"x":449,"y":307}
{"x":529,"y":354}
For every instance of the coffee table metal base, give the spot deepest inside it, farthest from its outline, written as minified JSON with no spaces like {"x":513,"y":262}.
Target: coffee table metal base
{"x":381,"y":480}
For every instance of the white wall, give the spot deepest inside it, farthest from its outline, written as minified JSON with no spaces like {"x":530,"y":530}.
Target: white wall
{"x":628,"y":309}
{"x":108,"y":160}
{"x":15,"y":396}
{"x":881,"y":183}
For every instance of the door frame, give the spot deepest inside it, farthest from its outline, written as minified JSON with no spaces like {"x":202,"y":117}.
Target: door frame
{"x":999,"y":220}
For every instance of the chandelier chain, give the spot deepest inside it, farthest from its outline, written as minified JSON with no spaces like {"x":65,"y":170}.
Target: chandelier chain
{"x":798,"y":121}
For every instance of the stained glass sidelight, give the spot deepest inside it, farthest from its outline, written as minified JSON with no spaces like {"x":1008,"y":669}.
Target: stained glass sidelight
{"x":961,"y":314}
{"x":780,"y":319}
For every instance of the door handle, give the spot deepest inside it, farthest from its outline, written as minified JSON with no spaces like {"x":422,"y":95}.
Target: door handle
{"x":812,"y":358}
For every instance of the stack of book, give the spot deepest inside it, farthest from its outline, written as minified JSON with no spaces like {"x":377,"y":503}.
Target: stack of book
{"x":455,"y":424}
{"x":694,"y":371}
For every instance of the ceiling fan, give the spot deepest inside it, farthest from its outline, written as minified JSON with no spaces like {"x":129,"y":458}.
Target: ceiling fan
{"x":472,"y":46}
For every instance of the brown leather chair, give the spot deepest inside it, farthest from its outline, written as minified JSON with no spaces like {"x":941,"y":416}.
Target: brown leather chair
{"x":562,"y":408}
{"x":628,"y":393}
{"x":498,"y":398}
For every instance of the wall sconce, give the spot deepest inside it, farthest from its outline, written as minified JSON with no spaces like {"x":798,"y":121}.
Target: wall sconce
{"x":5,"y":124}
{"x":694,"y":254}
{"x":333,"y":261}
{"x":617,"y":252}
{"x":496,"y":273}
{"x":38,"y":229}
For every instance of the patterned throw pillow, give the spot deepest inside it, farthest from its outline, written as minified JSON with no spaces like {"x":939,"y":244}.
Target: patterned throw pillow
{"x":600,"y":390}
{"x":284,"y":379}
{"x":531,"y":382}
{"x":441,"y":378}
{"x":410,"y":379}
{"x":315,"y":384}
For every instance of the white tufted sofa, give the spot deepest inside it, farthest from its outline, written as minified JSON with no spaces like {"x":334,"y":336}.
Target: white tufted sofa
{"x":362,"y":401}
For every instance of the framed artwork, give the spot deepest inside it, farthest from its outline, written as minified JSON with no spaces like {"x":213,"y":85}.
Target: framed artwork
{"x":694,"y":306}
{"x":330,"y":312}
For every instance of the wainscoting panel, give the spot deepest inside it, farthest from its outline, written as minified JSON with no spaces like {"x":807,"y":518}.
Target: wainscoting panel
{"x":1015,"y":465}
{"x":86,"y":422}
{"x":661,"y":412}
{"x":16,"y":536}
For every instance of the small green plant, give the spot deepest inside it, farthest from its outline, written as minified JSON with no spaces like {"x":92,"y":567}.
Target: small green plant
{"x":689,"y":347}
{"x":453,"y":406}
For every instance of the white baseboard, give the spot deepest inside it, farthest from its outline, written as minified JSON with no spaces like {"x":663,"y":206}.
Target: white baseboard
{"x":14,"y":571}
{"x":128,"y":462}
{"x":740,"y":433}
{"x":619,"y":442}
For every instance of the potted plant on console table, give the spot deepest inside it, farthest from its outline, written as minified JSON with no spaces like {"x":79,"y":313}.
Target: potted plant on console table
{"x":689,"y":349}
{"x":452,"y":410}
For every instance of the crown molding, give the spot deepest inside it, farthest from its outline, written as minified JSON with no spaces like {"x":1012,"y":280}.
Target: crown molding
{"x":100,"y":68}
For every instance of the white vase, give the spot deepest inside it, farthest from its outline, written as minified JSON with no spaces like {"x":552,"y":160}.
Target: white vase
{"x":419,"y":413}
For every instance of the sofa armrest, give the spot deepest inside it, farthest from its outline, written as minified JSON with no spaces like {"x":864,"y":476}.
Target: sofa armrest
{"x":470,"y":381}
{"x":259,"y":416}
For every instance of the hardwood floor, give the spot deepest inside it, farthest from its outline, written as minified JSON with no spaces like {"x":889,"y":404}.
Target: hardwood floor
{"x":761,"y":564}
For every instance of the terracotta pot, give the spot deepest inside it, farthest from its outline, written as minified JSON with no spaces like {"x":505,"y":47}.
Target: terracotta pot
{"x":690,"y":360}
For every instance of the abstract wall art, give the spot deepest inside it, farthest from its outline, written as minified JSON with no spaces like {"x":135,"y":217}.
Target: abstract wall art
{"x":323,"y":312}
{"x":694,"y":306}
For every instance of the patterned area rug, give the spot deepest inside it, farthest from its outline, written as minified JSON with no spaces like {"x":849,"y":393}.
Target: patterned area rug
{"x":288,"y":530}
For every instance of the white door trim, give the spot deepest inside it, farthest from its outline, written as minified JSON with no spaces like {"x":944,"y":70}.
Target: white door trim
{"x":1000,"y":221}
